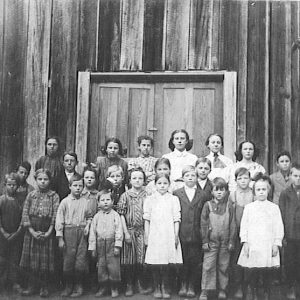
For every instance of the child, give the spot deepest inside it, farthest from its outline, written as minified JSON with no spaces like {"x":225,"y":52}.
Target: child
{"x":25,"y":188}
{"x":203,"y":168}
{"x":162,"y":166}
{"x":261,"y":234}
{"x":11,"y":232}
{"x":179,"y":144}
{"x":162,"y":218}
{"x":113,"y":151}
{"x":38,"y":218}
{"x":280,"y":179}
{"x":240,"y":198}
{"x":71,"y":229}
{"x":52,"y":161}
{"x":220,"y":163}
{"x":145,"y":160}
{"x":192,"y":199}
{"x":289,"y":203}
{"x":70,"y":162}
{"x":105,"y":241}
{"x":246,"y":155}
{"x":130,"y":207}
{"x":218,"y":230}
{"x":114,"y":183}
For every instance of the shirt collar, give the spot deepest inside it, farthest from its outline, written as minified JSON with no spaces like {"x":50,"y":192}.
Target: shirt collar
{"x":190,"y":189}
{"x":88,"y":192}
{"x":179,"y":153}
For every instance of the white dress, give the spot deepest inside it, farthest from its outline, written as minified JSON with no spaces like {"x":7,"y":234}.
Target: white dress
{"x":178,"y":161}
{"x":261,"y":228}
{"x":162,"y":211}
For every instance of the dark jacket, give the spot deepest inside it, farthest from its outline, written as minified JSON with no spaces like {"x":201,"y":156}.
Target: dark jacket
{"x":63,"y":189}
{"x":290,"y":211}
{"x":189,"y":231}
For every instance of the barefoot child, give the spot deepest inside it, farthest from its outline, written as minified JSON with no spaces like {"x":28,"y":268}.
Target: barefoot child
{"x":105,"y":242}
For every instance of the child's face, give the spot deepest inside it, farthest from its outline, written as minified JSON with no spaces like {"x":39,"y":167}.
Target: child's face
{"x":11,"y":187}
{"x":203,"y":169}
{"x":180,"y":141}
{"x":243,"y":181}
{"x":23,"y":174}
{"x":145,"y":147}
{"x":137,"y":179}
{"x":105,"y":202}
{"x":261,"y":190}
{"x":52,"y":146}
{"x":190,"y":178}
{"x":295,"y":177}
{"x":112,"y":150}
{"x":283,"y":163}
{"x":162,"y":185}
{"x":247,"y":151}
{"x":89,"y":179}
{"x":69,"y":163}
{"x":43,"y":181}
{"x":214,"y":144}
{"x":116,"y":178}
{"x":218,"y":193}
{"x":76,"y":188}
{"x":163,"y":169}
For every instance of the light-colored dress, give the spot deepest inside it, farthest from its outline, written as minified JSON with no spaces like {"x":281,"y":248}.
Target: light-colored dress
{"x":261,"y":228}
{"x":253,"y":168}
{"x":162,"y":211}
{"x":178,"y":161}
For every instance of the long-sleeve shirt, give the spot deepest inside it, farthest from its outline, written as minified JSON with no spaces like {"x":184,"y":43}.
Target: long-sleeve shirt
{"x":219,"y":208}
{"x":91,"y":197}
{"x":106,"y":225}
{"x":146,"y":163}
{"x":71,"y":212}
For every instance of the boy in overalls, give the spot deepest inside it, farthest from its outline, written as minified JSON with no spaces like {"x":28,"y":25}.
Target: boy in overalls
{"x":218,"y":230}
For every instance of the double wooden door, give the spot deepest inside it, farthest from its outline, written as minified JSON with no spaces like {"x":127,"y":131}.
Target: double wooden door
{"x":129,"y":105}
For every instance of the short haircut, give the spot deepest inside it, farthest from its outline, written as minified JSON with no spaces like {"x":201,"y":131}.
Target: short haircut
{"x":283,"y":153}
{"x":158,"y":176}
{"x":238,"y":152}
{"x":219,"y":183}
{"x":214,"y":134}
{"x":12,"y":176}
{"x":188,"y":168}
{"x":42,"y":171}
{"x":90,"y":169}
{"x":103,"y":192}
{"x":26,"y":165}
{"x":113,"y":140}
{"x":241,"y":171}
{"x":145,"y":137}
{"x":112,"y":169}
{"x":71,"y":153}
{"x":189,"y":143}
{"x":137,"y":169}
{"x":203,"y":160}
{"x":162,"y":160}
{"x":295,"y":166}
{"x":261,"y":177}
{"x":75,"y":177}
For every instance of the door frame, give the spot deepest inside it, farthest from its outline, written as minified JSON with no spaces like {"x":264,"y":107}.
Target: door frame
{"x":85,"y":79}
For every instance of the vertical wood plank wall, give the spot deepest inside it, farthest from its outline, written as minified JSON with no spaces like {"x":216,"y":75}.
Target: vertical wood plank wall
{"x":43,"y":45}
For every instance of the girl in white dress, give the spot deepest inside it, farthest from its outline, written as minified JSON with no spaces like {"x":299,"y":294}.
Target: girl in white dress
{"x":261,"y":234}
{"x":162,"y":217}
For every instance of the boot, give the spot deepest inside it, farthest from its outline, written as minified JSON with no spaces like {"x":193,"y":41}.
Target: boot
{"x":156,"y":281}
{"x":165,"y":283}
{"x":129,"y":290}
{"x":164,"y":291}
{"x":191,"y":291}
{"x":222,"y":295}
{"x":114,"y":290}
{"x":183,"y":290}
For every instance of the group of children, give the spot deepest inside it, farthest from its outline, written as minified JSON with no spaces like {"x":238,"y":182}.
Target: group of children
{"x":151,"y":221}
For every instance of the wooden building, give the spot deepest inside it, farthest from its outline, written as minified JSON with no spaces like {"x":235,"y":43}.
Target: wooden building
{"x":53,"y":54}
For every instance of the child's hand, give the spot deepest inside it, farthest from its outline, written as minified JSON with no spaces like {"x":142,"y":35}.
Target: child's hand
{"x":230,"y":247}
{"x":116,"y":251}
{"x":5,"y":234}
{"x":205,"y":247}
{"x":61,"y":243}
{"x":94,"y":253}
{"x":246,"y":249}
{"x":176,"y":241}
{"x":274,"y":250}
{"x":36,"y":234}
{"x":86,"y":230}
{"x":127,"y":238}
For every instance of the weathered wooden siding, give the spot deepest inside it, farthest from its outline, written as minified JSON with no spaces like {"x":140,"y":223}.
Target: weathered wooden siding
{"x":47,"y":42}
